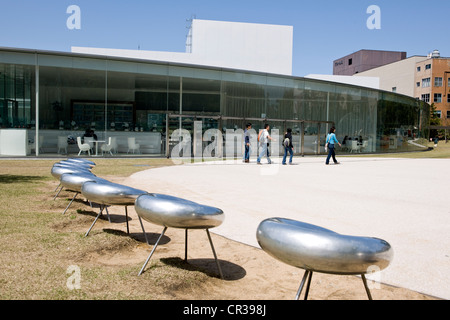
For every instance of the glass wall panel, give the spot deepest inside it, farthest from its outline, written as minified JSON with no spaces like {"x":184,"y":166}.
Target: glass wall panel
{"x":71,"y":98}
{"x":16,"y":87}
{"x":244,"y":100}
{"x":201,"y":96}
{"x":123,"y":98}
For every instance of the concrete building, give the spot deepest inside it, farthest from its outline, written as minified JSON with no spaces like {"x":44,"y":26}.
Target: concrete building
{"x":396,"y":77}
{"x":235,"y":45}
{"x":363,"y":60}
{"x":432,"y":84}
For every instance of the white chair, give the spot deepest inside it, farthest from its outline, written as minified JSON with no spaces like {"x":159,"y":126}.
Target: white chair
{"x":355,"y":146}
{"x":132,"y":145}
{"x":32,"y":146}
{"x":364,"y":145}
{"x":62,"y":144}
{"x":84,"y":147}
{"x":114,"y":144}
{"x":107,"y":147}
{"x":90,"y":141}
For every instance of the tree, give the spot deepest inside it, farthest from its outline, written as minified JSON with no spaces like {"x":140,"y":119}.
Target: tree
{"x":435,"y":120}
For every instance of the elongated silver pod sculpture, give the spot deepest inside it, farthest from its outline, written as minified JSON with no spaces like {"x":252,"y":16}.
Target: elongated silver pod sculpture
{"x":173,"y":212}
{"x":169,"y":211}
{"x":316,"y":249}
{"x":73,"y":181}
{"x":82,"y":161}
{"x":110,"y":194}
{"x":59,"y":169}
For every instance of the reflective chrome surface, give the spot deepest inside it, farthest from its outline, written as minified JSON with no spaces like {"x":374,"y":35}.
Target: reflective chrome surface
{"x":74,"y":181}
{"x":60,"y":169}
{"x":169,"y":211}
{"x":108,"y":193}
{"x":317,"y":249}
{"x":74,"y":164}
{"x":175,"y":212}
{"x":83,"y":161}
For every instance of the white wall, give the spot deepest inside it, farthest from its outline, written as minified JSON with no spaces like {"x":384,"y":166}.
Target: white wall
{"x":368,"y":82}
{"x":13,"y":142}
{"x":398,"y":74}
{"x":235,"y":45}
{"x":247,"y":46}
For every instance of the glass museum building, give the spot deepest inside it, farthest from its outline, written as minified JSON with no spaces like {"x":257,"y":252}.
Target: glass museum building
{"x":137,"y":107}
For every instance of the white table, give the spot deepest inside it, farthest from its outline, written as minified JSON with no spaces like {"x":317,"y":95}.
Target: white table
{"x":96,"y":145}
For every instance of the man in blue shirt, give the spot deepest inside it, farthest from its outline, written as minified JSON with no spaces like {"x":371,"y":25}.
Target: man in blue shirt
{"x":330,"y":142}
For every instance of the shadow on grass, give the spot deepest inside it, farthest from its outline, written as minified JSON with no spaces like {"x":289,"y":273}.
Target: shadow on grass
{"x":231,"y":271}
{"x":139,"y":236}
{"x":10,"y":178}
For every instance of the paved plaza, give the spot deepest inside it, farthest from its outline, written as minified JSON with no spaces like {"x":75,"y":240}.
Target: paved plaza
{"x":402,"y":201}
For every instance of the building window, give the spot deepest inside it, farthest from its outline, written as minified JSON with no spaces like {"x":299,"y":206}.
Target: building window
{"x":448,"y":114}
{"x":438,"y":81}
{"x":428,"y":67}
{"x":417,"y":84}
{"x":438,"y":97}
{"x":426,"y":82}
{"x":438,"y":113}
{"x":394,"y":89}
{"x":418,"y":69}
{"x":448,"y":98}
{"x":350,"y":62}
{"x":426,"y":97}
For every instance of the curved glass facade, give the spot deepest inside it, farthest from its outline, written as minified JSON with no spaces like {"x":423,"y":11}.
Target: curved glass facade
{"x":51,"y":95}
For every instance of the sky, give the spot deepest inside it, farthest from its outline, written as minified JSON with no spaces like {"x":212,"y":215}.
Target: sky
{"x":323,"y":30}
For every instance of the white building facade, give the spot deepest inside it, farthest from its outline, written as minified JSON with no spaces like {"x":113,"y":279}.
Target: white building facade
{"x":234,"y":45}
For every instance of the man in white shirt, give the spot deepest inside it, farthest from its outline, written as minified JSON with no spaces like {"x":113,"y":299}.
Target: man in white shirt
{"x":263,"y":139}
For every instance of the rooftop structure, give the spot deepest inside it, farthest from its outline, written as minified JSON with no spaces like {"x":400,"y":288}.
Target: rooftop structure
{"x":235,"y":45}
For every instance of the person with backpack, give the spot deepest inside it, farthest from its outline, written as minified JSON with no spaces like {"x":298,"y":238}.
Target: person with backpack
{"x":288,"y":146}
{"x":330,"y":144}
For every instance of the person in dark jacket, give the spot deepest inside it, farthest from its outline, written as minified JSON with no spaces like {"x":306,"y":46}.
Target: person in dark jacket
{"x":247,"y":142}
{"x":289,"y":147}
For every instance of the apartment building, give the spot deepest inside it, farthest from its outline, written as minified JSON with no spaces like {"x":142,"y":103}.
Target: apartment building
{"x":364,"y":60}
{"x":432,"y":84}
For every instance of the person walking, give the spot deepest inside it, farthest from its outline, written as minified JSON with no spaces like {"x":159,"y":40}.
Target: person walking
{"x":263,"y":139}
{"x":247,"y":138}
{"x":330,"y":144}
{"x":288,"y":146}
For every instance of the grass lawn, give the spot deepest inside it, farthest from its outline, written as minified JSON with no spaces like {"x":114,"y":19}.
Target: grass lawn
{"x":39,"y":245}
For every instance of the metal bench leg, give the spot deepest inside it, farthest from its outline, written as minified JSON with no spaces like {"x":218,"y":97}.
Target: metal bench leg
{"x":153,"y":250}
{"x":126,"y":217}
{"x":185,"y":244}
{"x":70,"y":203}
{"x":57,"y":194}
{"x":143,"y":230}
{"x":107,"y":213}
{"x":365,"y":286}
{"x":99,"y":214}
{"x":299,"y":292}
{"x":308,"y":286}
{"x":214,"y":252}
